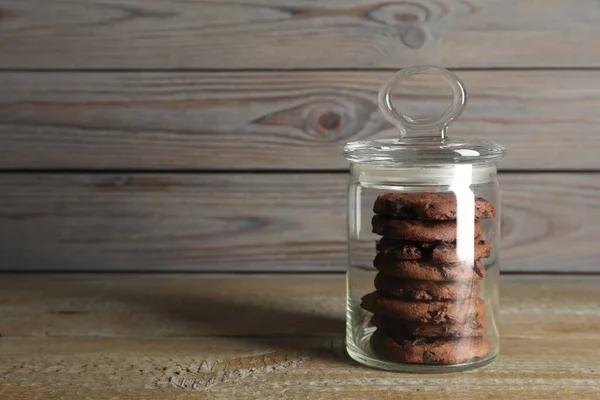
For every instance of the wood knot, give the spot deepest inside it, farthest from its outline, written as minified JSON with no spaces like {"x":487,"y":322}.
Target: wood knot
{"x":413,"y":37}
{"x":405,"y":18}
{"x":403,"y":14}
{"x":330,"y":120}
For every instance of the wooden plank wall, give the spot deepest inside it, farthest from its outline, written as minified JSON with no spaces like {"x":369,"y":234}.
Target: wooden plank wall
{"x":175,"y":135}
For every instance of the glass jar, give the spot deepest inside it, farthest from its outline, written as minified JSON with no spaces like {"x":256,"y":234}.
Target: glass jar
{"x":423,"y":243}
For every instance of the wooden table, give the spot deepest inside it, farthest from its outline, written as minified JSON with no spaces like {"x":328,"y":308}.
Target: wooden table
{"x":195,"y":336}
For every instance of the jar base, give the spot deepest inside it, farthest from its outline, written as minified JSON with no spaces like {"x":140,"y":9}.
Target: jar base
{"x":362,"y":357}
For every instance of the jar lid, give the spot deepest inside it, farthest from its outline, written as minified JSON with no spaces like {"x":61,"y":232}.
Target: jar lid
{"x":423,"y":140}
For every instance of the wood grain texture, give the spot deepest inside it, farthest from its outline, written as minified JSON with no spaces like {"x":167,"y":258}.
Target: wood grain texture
{"x":256,"y":222}
{"x":297,"y":34}
{"x":268,"y":337}
{"x":281,"y":120}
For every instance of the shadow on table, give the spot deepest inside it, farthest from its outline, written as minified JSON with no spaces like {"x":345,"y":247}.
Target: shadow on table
{"x":313,"y":334}
{"x":287,"y":326}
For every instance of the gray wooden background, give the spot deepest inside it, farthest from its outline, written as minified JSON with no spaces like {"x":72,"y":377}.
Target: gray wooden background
{"x":175,"y":134}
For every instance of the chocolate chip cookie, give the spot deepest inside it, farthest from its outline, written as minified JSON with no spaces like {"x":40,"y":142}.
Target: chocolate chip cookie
{"x":438,"y":252}
{"x":433,"y":206}
{"x":419,"y":311}
{"x":425,"y":290}
{"x":419,"y":230}
{"x":424,"y":270}
{"x":475,"y":327}
{"x":429,"y":350}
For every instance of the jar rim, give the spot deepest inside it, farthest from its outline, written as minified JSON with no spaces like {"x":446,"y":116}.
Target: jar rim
{"x":387,"y":152}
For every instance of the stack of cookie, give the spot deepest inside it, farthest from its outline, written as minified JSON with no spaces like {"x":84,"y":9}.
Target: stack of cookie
{"x":426,"y":306}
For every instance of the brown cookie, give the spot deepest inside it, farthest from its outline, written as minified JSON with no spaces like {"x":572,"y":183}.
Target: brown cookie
{"x":425,"y":231}
{"x":437,"y":312}
{"x":425,"y":290}
{"x":437,"y":206}
{"x":438,"y":252}
{"x":429,"y":350}
{"x":475,"y":327}
{"x":422,"y":270}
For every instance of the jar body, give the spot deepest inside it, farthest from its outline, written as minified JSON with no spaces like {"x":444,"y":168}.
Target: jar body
{"x":423,"y":267}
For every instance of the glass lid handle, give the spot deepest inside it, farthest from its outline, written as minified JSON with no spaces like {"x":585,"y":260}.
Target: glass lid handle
{"x":423,"y":128}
